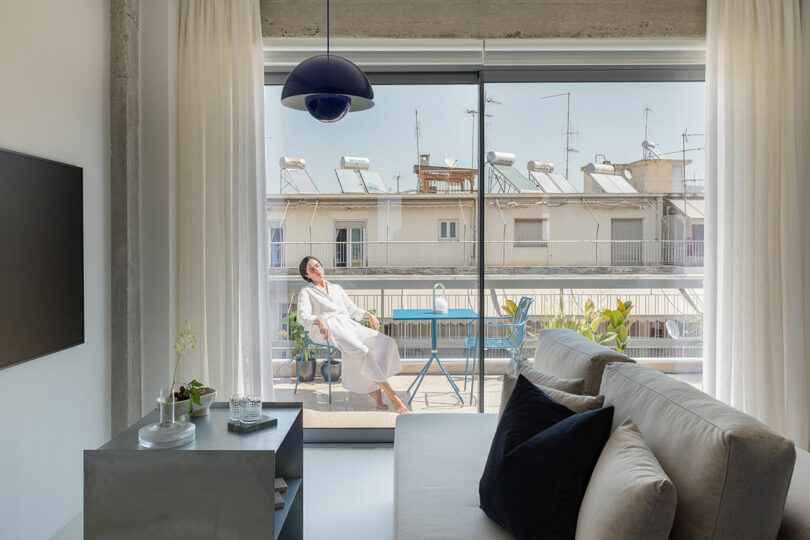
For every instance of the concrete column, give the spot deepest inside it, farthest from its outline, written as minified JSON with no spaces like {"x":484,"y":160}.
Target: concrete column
{"x":125,"y":312}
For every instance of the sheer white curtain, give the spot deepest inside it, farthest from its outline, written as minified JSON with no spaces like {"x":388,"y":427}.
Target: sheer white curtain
{"x":221,"y":232}
{"x":758,"y":211}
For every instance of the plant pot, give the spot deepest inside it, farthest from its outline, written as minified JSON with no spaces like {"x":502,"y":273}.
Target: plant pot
{"x":336,"y":367}
{"x":306,"y":369}
{"x":181,"y":407}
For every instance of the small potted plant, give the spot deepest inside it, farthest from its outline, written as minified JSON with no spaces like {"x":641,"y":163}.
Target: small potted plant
{"x":305,"y":362}
{"x":192,"y":398}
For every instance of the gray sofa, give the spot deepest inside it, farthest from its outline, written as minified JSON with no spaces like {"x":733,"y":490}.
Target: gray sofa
{"x":734,"y":477}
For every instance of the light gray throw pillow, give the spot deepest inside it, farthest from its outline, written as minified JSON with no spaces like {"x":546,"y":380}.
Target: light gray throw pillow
{"x":629,"y":495}
{"x":574,"y":402}
{"x":541,"y":378}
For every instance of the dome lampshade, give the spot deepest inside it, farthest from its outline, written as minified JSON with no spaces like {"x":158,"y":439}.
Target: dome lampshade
{"x":327,"y":86}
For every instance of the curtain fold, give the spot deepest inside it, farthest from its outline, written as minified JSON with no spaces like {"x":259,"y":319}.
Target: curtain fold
{"x":757,"y":287}
{"x":221,"y":214}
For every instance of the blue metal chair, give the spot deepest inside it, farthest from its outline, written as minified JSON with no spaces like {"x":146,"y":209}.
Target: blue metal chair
{"x":516,"y":329}
{"x":330,"y":349}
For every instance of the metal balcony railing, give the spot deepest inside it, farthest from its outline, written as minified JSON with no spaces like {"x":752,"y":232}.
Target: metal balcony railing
{"x":499,"y":253}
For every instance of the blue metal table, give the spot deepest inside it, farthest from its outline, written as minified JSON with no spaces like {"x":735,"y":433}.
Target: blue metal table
{"x":429,"y":315}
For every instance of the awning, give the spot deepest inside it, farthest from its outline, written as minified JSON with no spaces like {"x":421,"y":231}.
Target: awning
{"x":694,"y":208}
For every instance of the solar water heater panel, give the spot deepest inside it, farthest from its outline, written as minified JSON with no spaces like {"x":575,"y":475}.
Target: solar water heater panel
{"x":374,"y":181}
{"x":622,"y":184}
{"x":350,"y":181}
{"x":518,"y":181}
{"x":562,"y":182}
{"x":605,"y":182}
{"x":302,"y":181}
{"x":545,"y":183}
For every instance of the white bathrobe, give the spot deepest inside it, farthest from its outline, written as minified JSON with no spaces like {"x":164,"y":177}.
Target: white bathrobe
{"x":368,"y":355}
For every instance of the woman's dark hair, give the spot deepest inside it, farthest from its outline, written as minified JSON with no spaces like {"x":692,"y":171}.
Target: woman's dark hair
{"x":302,"y":268}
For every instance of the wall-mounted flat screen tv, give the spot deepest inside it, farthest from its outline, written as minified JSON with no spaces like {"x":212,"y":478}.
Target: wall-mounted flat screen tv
{"x":41,"y":257}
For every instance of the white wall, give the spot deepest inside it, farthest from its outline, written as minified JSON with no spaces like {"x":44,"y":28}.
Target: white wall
{"x":54,"y":72}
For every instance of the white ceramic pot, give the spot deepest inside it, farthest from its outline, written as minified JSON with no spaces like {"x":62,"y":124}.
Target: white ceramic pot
{"x":181,"y":407}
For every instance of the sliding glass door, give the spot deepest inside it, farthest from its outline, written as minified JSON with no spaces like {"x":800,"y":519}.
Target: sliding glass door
{"x":595,"y":198}
{"x":385,"y":199}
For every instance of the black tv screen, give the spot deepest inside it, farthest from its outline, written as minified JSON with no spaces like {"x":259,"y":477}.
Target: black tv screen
{"x":41,"y":257}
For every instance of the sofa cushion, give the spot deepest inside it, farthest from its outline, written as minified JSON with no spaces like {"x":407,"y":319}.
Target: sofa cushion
{"x":796,"y":519}
{"x":567,"y":354}
{"x":629,"y":495}
{"x":575,"y":402}
{"x":539,"y":464}
{"x":549,"y":380}
{"x":438,"y":459}
{"x":731,"y":472}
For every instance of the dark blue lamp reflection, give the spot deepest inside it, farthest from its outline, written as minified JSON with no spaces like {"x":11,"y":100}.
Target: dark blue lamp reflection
{"x":327,"y":86}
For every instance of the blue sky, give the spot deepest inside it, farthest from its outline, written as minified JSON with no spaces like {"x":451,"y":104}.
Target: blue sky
{"x":608,"y":119}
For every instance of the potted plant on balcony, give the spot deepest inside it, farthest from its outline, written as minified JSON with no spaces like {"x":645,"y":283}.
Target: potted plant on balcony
{"x":619,"y":323}
{"x":302,"y":353}
{"x":586,"y":325}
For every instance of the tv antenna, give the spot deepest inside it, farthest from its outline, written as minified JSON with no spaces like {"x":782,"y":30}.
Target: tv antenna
{"x":417,"y":130}
{"x":568,"y":131}
{"x":488,"y":123}
{"x":473,"y":114}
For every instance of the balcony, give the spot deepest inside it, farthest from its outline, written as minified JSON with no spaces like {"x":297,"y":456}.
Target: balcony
{"x":650,"y":344}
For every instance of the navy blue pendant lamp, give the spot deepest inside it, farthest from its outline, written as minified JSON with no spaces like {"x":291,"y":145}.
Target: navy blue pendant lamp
{"x":327,"y":86}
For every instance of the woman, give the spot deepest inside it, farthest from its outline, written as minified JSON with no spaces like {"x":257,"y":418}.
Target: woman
{"x":369,"y":357}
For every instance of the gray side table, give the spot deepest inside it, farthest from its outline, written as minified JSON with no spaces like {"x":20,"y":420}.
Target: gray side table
{"x":219,"y":486}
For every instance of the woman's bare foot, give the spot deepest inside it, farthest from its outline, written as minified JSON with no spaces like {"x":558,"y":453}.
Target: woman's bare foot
{"x":377,"y":396}
{"x":398,"y":405}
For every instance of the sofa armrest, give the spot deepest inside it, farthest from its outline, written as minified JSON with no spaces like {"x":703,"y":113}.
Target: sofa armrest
{"x":796,"y":519}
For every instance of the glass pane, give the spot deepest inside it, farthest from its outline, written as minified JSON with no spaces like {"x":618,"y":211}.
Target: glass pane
{"x":617,"y":169}
{"x":383,"y":179}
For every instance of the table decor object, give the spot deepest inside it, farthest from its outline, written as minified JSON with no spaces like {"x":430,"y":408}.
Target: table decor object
{"x":439,"y":302}
{"x":168,"y":432}
{"x":265,"y":422}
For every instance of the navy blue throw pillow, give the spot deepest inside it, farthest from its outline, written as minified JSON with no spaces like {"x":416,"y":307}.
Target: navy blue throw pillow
{"x":540,"y":462}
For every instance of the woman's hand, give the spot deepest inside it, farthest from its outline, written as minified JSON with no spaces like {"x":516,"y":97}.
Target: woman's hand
{"x":375,"y":324}
{"x":323,"y":328}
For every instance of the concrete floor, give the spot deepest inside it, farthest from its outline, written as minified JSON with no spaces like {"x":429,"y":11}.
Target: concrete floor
{"x":348,"y":409}
{"x":348,"y":493}
{"x":434,"y":396}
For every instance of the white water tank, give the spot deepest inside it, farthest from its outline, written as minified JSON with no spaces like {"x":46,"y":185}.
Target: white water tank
{"x":357,"y":163}
{"x":540,"y":166}
{"x":292,"y":163}
{"x":500,"y":158}
{"x":599,"y":168}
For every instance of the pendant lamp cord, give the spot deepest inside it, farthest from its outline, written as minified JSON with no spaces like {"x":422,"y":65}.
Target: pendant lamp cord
{"x":327,"y":28}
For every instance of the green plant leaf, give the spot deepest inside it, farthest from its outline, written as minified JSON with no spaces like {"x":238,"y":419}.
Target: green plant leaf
{"x":621,"y":304}
{"x":605,"y":338}
{"x":511,"y":307}
{"x":621,"y":333}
